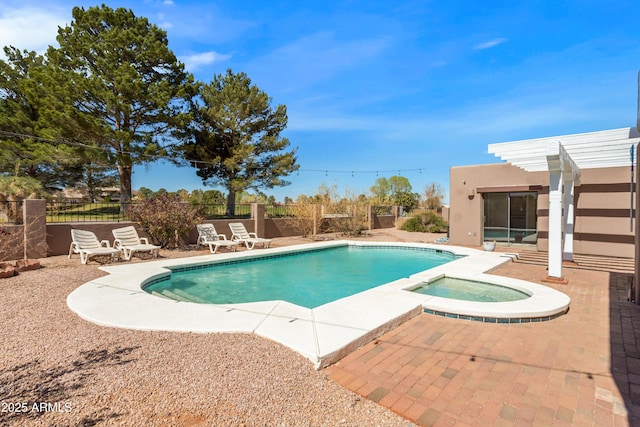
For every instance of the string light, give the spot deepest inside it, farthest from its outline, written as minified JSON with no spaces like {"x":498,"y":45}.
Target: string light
{"x":197,"y":163}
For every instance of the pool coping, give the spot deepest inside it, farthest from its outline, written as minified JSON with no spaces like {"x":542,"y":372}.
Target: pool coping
{"x":323,"y":334}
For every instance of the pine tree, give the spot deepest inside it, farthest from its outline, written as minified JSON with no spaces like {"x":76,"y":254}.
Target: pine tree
{"x":116,"y":86}
{"x":234,"y":139}
{"x":26,"y":147}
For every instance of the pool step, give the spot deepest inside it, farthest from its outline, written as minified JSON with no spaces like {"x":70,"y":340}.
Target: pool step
{"x":178,"y":295}
{"x":586,"y":262}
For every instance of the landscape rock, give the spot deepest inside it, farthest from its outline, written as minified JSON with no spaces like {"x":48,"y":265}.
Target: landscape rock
{"x":27,"y":264}
{"x":7,"y":270}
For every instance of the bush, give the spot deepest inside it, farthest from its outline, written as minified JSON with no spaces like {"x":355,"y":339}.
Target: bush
{"x":166,"y":219}
{"x":346,"y":217}
{"x":306,"y":217}
{"x":414,"y":224}
{"x":435,"y":223}
{"x":426,"y":222}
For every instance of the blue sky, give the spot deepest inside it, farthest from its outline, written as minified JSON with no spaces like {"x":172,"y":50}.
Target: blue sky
{"x":403,"y":87}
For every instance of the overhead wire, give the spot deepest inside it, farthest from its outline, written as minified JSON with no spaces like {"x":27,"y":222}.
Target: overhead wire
{"x":112,"y":150}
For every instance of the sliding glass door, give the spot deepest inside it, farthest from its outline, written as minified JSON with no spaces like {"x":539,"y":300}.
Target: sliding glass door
{"x":510,"y":217}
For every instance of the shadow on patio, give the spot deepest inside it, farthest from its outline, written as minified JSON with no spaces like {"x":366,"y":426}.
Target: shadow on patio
{"x":625,"y":337}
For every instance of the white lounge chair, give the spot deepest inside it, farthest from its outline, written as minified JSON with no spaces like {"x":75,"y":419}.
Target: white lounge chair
{"x":128,"y":241}
{"x":207,"y":235}
{"x":240,"y":234}
{"x":87,"y":245}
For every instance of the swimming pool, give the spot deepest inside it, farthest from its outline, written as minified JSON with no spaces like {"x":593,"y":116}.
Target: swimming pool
{"x":308,"y":279}
{"x":323,"y":334}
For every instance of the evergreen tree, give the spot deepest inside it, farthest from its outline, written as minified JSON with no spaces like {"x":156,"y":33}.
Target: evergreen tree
{"x":234,"y":139}
{"x":26,"y":147}
{"x":116,"y":86}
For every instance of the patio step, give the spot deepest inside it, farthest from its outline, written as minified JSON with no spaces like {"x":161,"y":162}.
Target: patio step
{"x":585,"y":262}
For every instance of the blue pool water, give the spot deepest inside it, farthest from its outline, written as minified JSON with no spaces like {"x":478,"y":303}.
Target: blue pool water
{"x":469,"y":290}
{"x":308,"y":279}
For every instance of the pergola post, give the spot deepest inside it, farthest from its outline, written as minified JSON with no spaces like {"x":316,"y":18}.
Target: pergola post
{"x":555,"y":219}
{"x":569,"y":186}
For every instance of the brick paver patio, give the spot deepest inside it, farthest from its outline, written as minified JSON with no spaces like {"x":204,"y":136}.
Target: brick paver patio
{"x":581,"y":369}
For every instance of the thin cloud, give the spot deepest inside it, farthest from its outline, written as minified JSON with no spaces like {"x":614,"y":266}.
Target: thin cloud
{"x":318,"y":58}
{"x":489,"y":44}
{"x":195,"y":61}
{"x":30,"y":28}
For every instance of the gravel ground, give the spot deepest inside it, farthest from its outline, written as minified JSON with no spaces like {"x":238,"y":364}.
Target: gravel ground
{"x":57,"y":369}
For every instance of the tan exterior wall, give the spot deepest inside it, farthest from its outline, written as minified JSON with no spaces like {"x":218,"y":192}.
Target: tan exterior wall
{"x":602,"y":200}
{"x":602,"y":213}
{"x":465,"y":202}
{"x":279,"y":227}
{"x":59,"y":234}
{"x":55,"y":238}
{"x":636,"y":276}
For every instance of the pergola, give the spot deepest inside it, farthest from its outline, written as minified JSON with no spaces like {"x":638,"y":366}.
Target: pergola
{"x":564,"y":157}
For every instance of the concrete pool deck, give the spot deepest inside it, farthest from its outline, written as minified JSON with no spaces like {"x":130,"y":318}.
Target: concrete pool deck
{"x":323,"y":335}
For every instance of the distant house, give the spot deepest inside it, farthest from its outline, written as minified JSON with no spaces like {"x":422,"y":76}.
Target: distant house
{"x":74,"y":195}
{"x":81,"y":194}
{"x":109,"y":193}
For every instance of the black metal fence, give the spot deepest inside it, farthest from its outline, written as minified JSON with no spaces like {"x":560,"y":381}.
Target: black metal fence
{"x":68,"y":211}
{"x":241,"y":211}
{"x":280,"y":211}
{"x":115,"y":211}
{"x":87,"y":212}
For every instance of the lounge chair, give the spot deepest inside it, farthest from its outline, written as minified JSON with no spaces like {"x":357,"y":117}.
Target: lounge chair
{"x":127,"y":240}
{"x":240,"y":234}
{"x":87,"y":245}
{"x":207,"y":235}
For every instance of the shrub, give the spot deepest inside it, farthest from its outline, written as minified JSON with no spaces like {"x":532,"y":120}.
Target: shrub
{"x":166,"y":219}
{"x":426,"y":222}
{"x":414,"y":224}
{"x":306,"y":217}
{"x":434,"y":222}
{"x":346,"y":217}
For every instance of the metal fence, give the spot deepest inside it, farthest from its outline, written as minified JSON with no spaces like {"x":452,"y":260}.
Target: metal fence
{"x":280,"y":211}
{"x":241,"y":211}
{"x":383,"y":210}
{"x":115,"y":211}
{"x":68,"y":211}
{"x":10,"y":212}
{"x":87,"y":212}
